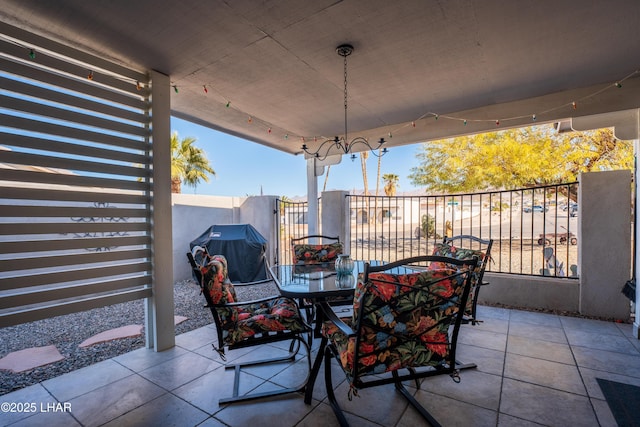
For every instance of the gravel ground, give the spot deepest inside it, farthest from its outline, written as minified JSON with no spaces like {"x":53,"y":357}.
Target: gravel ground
{"x":67,"y":332}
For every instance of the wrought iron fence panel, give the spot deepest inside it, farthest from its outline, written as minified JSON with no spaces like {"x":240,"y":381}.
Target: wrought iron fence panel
{"x":534,"y":229}
{"x":292,"y":222}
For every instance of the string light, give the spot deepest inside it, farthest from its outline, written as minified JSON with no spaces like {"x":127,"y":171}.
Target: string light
{"x":138,"y":86}
{"x":533,"y":117}
{"x":90,"y":75}
{"x":32,"y":54}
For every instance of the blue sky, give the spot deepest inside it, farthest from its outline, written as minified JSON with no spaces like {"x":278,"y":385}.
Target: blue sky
{"x":243,"y":167}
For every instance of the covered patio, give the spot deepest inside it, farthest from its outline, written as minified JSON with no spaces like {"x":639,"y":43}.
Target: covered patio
{"x":533,"y":369}
{"x":269,"y":73}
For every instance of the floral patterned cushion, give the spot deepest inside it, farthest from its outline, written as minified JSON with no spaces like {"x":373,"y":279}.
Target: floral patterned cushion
{"x":216,"y":278}
{"x":405,"y":321}
{"x":443,"y":249}
{"x":276,"y":314}
{"x":239,"y":322}
{"x":316,"y":254}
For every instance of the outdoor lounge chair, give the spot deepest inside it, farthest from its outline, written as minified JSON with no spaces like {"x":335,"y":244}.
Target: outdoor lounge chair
{"x":248,"y":323}
{"x":466,"y":247}
{"x":404,"y":319}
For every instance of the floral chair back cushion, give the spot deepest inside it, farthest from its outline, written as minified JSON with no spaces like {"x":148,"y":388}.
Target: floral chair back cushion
{"x":216,"y":279}
{"x":405,"y":321}
{"x":306,"y":254}
{"x":450,"y":251}
{"x":443,"y":249}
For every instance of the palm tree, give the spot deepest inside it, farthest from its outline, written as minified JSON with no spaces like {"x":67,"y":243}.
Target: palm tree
{"x":390,"y":183}
{"x":363,"y":163}
{"x":189,"y":164}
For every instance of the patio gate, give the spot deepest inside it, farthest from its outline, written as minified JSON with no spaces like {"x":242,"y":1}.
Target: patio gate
{"x":292,"y":222}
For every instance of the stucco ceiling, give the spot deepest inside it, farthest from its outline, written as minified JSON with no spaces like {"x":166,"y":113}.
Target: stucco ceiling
{"x":273,"y":76}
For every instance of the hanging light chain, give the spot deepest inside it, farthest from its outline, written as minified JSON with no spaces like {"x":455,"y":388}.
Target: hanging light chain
{"x":343,"y":144}
{"x":345,"y":94}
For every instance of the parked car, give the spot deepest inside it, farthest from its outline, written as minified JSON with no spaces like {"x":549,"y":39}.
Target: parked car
{"x":546,"y":239}
{"x":535,"y":208}
{"x":569,"y":206}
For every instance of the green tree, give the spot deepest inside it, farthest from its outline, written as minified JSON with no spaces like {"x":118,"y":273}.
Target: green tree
{"x":517,"y":158}
{"x":390,"y":183}
{"x":189,"y":164}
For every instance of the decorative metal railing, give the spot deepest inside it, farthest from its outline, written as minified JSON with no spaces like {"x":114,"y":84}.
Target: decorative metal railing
{"x":535,"y":230}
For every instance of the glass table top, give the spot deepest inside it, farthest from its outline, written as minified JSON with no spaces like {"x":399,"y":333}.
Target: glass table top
{"x":315,"y":280}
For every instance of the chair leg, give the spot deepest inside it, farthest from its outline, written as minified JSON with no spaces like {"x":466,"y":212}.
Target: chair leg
{"x":474,"y":305}
{"x":289,"y":357}
{"x":308,"y":395}
{"x":328,"y":355}
{"x":412,"y":400}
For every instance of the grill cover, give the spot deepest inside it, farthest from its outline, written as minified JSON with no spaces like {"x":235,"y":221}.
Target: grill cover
{"x":242,"y":245}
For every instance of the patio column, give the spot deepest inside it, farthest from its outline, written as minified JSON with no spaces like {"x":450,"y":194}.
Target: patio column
{"x":336,"y":217}
{"x":315,"y":168}
{"x":626,"y":126}
{"x":312,"y":195}
{"x":160,"y":329}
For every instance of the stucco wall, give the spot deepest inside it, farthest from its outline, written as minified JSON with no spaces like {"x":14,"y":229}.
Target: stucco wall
{"x":193,"y":214}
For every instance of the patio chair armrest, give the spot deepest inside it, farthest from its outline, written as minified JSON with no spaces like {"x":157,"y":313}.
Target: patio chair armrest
{"x":241,"y":303}
{"x":331,"y":316}
{"x":257,"y":282}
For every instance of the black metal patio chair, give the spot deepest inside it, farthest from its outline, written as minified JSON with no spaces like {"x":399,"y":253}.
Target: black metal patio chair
{"x":466,"y":247}
{"x":248,"y":323}
{"x":405,"y":326}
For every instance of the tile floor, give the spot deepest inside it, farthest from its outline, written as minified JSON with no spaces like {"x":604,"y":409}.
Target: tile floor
{"x":533,"y":369}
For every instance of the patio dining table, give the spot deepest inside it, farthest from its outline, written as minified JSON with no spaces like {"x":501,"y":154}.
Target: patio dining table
{"x":312,"y":284}
{"x":316,"y":281}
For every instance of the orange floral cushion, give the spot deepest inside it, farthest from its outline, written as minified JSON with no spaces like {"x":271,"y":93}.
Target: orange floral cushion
{"x":405,"y":321}
{"x":304,"y":254}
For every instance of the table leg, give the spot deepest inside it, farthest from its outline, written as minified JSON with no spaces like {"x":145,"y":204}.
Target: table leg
{"x":308,"y":394}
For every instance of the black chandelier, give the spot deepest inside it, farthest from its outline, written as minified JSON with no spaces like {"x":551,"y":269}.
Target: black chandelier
{"x":341,"y":143}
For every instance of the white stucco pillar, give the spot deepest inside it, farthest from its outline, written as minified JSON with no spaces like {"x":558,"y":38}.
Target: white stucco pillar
{"x":160,"y":329}
{"x":312,"y":197}
{"x":336,"y":217}
{"x":626,"y":126}
{"x":604,"y":223}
